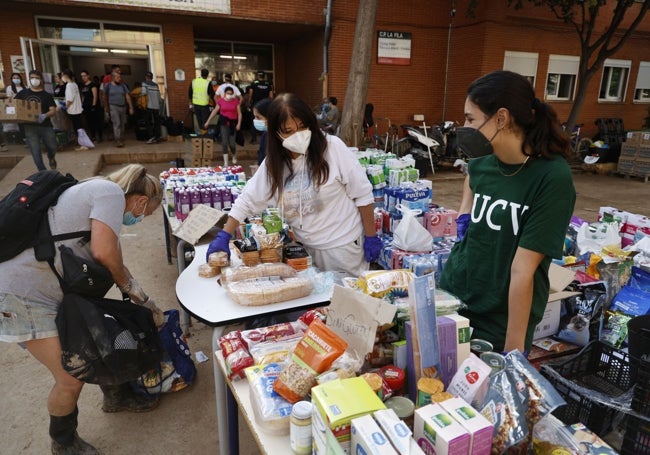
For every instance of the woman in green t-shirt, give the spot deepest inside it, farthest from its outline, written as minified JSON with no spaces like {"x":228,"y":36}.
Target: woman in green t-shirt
{"x":517,"y":202}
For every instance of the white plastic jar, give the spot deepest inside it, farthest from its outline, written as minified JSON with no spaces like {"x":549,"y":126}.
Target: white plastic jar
{"x":300,"y":428}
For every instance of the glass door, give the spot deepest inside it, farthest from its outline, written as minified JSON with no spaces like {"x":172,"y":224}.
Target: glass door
{"x":41,"y":55}
{"x":156,"y":65}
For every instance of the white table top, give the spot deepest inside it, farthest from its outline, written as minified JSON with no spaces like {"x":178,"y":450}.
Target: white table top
{"x":268,"y":443}
{"x":206,"y":300}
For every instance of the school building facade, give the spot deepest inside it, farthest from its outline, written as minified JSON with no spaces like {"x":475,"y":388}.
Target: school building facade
{"x":423,"y":56}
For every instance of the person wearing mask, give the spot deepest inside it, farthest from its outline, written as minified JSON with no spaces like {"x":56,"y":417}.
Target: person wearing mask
{"x":59,"y":86}
{"x":73,"y":106}
{"x":117,"y":98}
{"x":260,"y":111}
{"x":11,"y":128}
{"x":41,"y":130}
{"x":329,"y":117}
{"x":200,"y":93}
{"x":258,"y":90}
{"x":152,"y":115}
{"x":517,"y":202}
{"x":228,"y":83}
{"x":30,"y":291}
{"x":320,"y":188}
{"x":229,"y":112}
{"x":92,"y":107}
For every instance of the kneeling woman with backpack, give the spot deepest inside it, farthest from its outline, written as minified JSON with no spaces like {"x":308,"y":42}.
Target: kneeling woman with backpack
{"x":30,"y":292}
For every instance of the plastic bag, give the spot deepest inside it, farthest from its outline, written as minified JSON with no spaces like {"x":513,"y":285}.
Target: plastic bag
{"x":83,"y":139}
{"x":594,"y":237}
{"x":410,"y":235}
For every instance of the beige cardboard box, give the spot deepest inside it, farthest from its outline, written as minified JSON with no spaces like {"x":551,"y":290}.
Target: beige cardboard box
{"x":18,"y":111}
{"x":559,"y":278}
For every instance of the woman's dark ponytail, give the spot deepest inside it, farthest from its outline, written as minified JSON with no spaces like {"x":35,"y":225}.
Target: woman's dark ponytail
{"x":545,"y":136}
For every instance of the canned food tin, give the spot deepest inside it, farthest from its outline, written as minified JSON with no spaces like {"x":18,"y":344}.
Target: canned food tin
{"x":478,"y":346}
{"x":496,"y":361}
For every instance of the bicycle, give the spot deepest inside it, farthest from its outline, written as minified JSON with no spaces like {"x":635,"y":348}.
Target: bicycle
{"x":387,"y":141}
{"x":580,"y":145}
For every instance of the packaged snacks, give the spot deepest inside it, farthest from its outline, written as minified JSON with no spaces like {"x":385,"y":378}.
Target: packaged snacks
{"x":235,"y":354}
{"x":219,"y":259}
{"x":271,"y":410}
{"x":580,"y":320}
{"x":314,"y":353}
{"x":209,"y":271}
{"x":385,"y":283}
{"x":244,"y":272}
{"x":275,"y":351}
{"x":427,"y":387}
{"x":272,"y":332}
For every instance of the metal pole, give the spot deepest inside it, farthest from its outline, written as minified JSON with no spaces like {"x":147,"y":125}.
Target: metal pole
{"x":451,"y":24}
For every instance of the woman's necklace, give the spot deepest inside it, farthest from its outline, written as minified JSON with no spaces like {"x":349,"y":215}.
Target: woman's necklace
{"x":514,"y":173}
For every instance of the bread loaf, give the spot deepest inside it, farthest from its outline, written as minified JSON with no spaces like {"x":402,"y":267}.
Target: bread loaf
{"x":256,"y":292}
{"x":241,"y":273}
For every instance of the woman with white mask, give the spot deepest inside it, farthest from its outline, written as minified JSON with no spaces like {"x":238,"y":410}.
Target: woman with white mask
{"x":260,"y":111}
{"x":229,"y":122}
{"x":318,"y":185}
{"x":11,"y":128}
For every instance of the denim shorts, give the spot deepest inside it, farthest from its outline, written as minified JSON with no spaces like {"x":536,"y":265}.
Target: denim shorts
{"x":22,"y":320}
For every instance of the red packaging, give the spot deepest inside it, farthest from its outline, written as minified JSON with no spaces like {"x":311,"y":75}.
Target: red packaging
{"x":235,"y":354}
{"x":394,"y":378}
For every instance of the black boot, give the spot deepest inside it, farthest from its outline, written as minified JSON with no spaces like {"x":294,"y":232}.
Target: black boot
{"x":118,"y":398}
{"x":65,"y":440}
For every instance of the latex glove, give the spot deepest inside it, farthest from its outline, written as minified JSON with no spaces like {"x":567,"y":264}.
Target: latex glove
{"x":41,"y":118}
{"x":157,"y":313}
{"x":462,"y":223}
{"x":372,"y":247}
{"x":134,"y":291}
{"x":220,"y":243}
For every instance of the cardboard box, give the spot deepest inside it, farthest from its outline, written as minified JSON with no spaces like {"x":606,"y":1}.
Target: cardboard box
{"x":479,"y":428}
{"x":397,"y":432}
{"x":16,"y":111}
{"x":336,"y":403}
{"x":559,"y":278}
{"x":368,"y":438}
{"x":453,"y":337}
{"x":437,"y":432}
{"x":441,"y":223}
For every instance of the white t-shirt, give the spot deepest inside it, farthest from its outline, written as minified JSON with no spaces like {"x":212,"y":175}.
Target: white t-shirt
{"x":97,"y":199}
{"x":72,"y":94}
{"x":320,"y":217}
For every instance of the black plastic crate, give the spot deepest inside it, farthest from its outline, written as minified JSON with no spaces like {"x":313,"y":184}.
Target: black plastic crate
{"x":597,"y":367}
{"x":636,"y":440}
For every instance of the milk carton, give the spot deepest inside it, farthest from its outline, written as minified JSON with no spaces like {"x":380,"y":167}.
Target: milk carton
{"x":436,"y":432}
{"x":478,"y":427}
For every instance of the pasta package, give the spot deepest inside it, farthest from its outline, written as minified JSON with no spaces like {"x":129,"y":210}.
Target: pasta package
{"x":315,"y":352}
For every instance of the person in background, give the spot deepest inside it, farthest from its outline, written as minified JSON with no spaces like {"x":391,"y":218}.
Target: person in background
{"x":330,"y":116}
{"x":229,"y":112}
{"x":228,"y":83}
{"x":260,"y":111}
{"x":92,"y":107}
{"x":200,"y":93}
{"x":116,"y":100}
{"x":16,"y":86}
{"x":258,"y":90}
{"x":151,"y":90}
{"x":320,"y":188}
{"x":108,"y":76}
{"x":41,"y":130}
{"x":73,"y":106}
{"x":517,"y":202}
{"x":31,"y":294}
{"x":59,"y":86}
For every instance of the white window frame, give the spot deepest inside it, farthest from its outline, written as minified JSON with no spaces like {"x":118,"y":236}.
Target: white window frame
{"x":524,"y":63}
{"x":642,"y":83}
{"x":562,"y":66}
{"x":606,"y":78}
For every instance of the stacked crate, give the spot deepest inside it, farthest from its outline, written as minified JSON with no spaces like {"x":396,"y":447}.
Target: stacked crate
{"x":202,"y":149}
{"x":635,"y":155}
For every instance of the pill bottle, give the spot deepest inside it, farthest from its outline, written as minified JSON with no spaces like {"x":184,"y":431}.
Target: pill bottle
{"x":300,"y":428}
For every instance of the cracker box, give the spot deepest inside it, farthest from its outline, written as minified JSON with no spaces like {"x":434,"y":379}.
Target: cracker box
{"x":368,"y":438}
{"x":19,"y":110}
{"x":437,"y":432}
{"x":397,"y":432}
{"x":336,"y":403}
{"x":479,"y":428}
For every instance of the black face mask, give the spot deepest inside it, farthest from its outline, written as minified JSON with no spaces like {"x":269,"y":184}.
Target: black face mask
{"x":472,"y":143}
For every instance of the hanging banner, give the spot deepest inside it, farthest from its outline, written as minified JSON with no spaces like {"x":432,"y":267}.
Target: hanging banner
{"x":393,"y":48}
{"x":203,"y":6}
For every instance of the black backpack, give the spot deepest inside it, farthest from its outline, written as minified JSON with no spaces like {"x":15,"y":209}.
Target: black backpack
{"x":24,"y":209}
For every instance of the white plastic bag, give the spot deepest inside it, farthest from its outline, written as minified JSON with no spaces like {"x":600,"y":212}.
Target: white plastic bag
{"x":594,"y":237}
{"x":83,"y":139}
{"x":410,"y":235}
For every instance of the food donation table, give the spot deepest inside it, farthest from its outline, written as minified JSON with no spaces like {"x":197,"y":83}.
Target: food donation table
{"x":208,"y":302}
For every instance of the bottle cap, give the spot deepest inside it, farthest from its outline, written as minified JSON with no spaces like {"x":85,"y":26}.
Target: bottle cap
{"x":302,"y":410}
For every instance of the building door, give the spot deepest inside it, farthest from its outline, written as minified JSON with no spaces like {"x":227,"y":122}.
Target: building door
{"x":41,"y":55}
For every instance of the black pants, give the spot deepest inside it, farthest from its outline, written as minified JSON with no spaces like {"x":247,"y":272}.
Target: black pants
{"x":202,"y":113}
{"x":95,"y":122}
{"x":152,"y":117}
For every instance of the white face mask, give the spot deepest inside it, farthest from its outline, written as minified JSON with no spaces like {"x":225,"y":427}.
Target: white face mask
{"x":16,"y":81}
{"x":35,"y":82}
{"x":229,"y":97}
{"x":298,"y":142}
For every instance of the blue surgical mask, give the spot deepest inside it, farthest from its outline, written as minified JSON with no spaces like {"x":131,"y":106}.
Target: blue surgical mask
{"x":259,"y":124}
{"x":130,"y":219}
{"x":325,"y":107}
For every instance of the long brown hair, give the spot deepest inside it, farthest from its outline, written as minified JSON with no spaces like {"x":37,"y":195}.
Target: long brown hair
{"x":284,"y":107}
